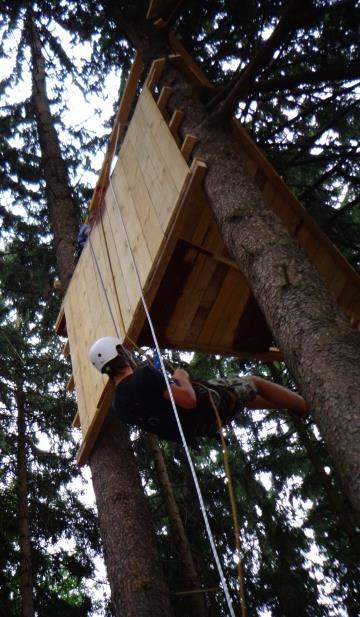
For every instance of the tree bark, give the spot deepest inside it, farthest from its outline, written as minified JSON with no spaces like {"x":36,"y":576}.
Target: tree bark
{"x":136,"y":579}
{"x":63,"y":210}
{"x":26,"y":582}
{"x":319,"y":346}
{"x":188,"y":570}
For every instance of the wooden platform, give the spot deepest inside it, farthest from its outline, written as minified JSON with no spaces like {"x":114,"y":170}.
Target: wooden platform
{"x":154,"y":231}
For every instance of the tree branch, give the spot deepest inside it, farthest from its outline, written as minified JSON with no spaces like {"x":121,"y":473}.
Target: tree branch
{"x":349,"y":206}
{"x":297,"y":14}
{"x":338,"y":73}
{"x":308,"y":143}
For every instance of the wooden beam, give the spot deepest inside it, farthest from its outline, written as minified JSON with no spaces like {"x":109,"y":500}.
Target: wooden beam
{"x":60,"y":324}
{"x":175,"y":122}
{"x":163,"y":98}
{"x":155,"y":73}
{"x":70,"y":384}
{"x":153,"y":9}
{"x":76,"y":421}
{"x":188,"y":146}
{"x":66,"y":349}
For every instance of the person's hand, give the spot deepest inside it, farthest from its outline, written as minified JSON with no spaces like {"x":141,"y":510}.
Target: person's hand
{"x":180,"y":374}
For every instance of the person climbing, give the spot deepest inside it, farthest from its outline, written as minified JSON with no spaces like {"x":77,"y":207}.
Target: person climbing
{"x":141,"y":397}
{"x":84,"y":233}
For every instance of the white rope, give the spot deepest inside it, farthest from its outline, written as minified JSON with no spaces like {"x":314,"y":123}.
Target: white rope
{"x":183,"y":439}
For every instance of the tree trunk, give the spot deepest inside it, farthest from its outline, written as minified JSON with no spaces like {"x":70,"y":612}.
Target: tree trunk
{"x":319,"y":346}
{"x":137,"y":586}
{"x":26,"y":583}
{"x":135,"y":575}
{"x":63,"y":210}
{"x":188,"y":570}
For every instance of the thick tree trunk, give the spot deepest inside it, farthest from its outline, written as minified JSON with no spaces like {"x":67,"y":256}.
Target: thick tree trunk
{"x":63,"y":210}
{"x":26,"y":583}
{"x":320,"y":348}
{"x":135,"y":575}
{"x":196,"y":605}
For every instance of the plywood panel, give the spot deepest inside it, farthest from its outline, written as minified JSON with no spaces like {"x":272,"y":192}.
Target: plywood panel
{"x":160,"y":184}
{"x":188,"y":304}
{"x":142,"y":202}
{"x":102,"y":244}
{"x":124,"y":214}
{"x":222,"y":308}
{"x":173,"y":158}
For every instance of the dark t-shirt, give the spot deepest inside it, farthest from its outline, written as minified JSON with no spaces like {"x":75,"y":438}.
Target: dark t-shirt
{"x":139,"y":401}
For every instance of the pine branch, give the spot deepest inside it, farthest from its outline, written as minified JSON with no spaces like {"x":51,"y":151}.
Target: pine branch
{"x":310,"y":142}
{"x":330,"y":74}
{"x":325,"y":176}
{"x":297,"y":14}
{"x":349,"y":206}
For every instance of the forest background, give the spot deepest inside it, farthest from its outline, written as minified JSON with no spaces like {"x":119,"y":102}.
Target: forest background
{"x":298,"y":97}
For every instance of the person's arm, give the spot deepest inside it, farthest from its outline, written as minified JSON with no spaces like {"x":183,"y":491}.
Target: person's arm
{"x":182,"y":391}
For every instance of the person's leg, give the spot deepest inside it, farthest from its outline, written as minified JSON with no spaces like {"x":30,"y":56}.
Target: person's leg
{"x":272,"y":396}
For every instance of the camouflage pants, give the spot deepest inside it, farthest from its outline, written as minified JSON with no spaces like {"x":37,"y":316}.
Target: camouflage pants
{"x":244,"y":389}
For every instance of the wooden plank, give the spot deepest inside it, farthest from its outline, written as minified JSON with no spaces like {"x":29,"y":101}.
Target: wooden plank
{"x":188,"y":146}
{"x":66,"y":349}
{"x":60,"y":324}
{"x":163,"y":98}
{"x":153,"y":9}
{"x":70,"y":384}
{"x":105,"y":271}
{"x":161,"y":187}
{"x":155,"y":73}
{"x":169,"y":150}
{"x":125,"y":214}
{"x":122,"y":286}
{"x":76,"y":423}
{"x":234,"y":296}
{"x":76,"y":340}
{"x":175,"y":123}
{"x":196,"y":285}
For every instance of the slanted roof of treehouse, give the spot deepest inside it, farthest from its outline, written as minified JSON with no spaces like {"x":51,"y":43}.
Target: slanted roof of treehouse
{"x":154,"y":220}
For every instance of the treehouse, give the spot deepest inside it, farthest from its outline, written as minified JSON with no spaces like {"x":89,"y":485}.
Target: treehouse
{"x":154,"y":236}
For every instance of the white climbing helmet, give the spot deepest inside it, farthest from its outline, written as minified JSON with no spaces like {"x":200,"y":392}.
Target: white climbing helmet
{"x":103,"y":351}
